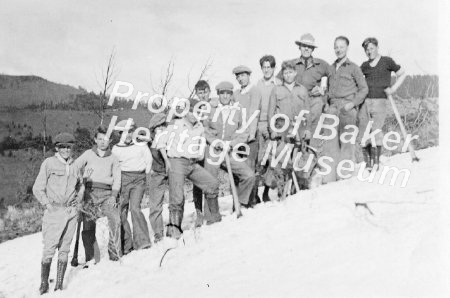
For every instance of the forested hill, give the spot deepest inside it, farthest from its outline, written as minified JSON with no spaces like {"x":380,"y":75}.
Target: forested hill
{"x":21,"y":91}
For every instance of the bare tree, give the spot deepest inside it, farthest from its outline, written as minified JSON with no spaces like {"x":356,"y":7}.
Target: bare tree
{"x":205,"y":68}
{"x":165,"y":80}
{"x":108,"y":77}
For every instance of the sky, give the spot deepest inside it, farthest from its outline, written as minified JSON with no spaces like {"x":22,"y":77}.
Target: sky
{"x":69,"y":42}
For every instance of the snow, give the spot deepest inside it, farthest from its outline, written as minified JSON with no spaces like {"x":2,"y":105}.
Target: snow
{"x":314,"y":244}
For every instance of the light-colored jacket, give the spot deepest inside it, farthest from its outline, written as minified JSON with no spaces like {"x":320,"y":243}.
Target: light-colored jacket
{"x":216,"y":128}
{"x":58,"y":183}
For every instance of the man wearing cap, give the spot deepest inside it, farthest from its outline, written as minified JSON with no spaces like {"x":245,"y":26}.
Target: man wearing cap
{"x":225,"y":126}
{"x":182,"y":145}
{"x":312,"y":73}
{"x":347,"y":89}
{"x":135,"y":162}
{"x":59,"y":188}
{"x":249,"y":97}
{"x":203,"y":92}
{"x":102,"y":175}
{"x":377,"y":71}
{"x":265,"y":86}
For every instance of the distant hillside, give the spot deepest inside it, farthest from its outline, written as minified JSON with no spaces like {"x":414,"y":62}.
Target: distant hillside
{"x":20,"y":91}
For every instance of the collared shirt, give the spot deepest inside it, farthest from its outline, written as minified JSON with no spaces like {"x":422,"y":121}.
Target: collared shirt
{"x":250,"y":99}
{"x":133,"y":157}
{"x":309,"y":71}
{"x":290,"y":103}
{"x":181,"y":139}
{"x":347,"y":82}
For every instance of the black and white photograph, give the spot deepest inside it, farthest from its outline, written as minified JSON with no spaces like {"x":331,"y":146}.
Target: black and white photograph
{"x":224,"y":148}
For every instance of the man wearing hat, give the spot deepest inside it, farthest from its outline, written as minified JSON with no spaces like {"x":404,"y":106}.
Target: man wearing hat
{"x":222,"y":125}
{"x":249,"y":97}
{"x":182,"y":145}
{"x":59,"y":188}
{"x":135,"y":163}
{"x":312,"y":73}
{"x":102,"y":185}
{"x":377,"y":71}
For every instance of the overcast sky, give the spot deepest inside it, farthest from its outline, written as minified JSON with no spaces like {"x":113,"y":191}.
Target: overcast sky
{"x":68,"y":41}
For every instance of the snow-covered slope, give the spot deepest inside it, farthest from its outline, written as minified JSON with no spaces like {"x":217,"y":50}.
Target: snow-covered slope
{"x":315,"y":244}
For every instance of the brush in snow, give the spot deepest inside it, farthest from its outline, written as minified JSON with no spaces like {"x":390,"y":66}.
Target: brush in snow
{"x":403,"y":129}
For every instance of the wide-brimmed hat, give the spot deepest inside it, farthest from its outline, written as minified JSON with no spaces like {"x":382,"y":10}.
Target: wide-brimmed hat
{"x":307,"y":40}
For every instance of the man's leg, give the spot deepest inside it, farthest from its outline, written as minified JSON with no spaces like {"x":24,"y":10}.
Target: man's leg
{"x":66,"y":238}
{"x":177,"y":177}
{"x":262,"y":168}
{"x":64,"y":248}
{"x":88,"y":236}
{"x":110,"y":210}
{"x":125,"y":232}
{"x":378,"y":113}
{"x":210,"y":186}
{"x":330,"y":148}
{"x":197,"y":197}
{"x":246,"y":180}
{"x":362,"y":120}
{"x":53,"y":225}
{"x":89,"y":217}
{"x":141,"y":236}
{"x":251,"y":161}
{"x":157,"y":188}
{"x":347,"y":149}
{"x":315,"y":112}
{"x":211,"y":208}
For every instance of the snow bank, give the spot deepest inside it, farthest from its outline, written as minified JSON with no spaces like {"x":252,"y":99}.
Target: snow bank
{"x":314,"y":244}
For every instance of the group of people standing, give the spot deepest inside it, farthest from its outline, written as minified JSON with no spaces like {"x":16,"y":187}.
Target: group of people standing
{"x":110,"y":182}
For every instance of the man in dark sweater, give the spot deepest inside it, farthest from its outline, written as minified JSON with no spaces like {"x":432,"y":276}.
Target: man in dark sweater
{"x":377,"y":71}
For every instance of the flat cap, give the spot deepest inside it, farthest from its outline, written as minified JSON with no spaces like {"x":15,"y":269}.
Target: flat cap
{"x":240,"y":69}
{"x":224,"y":86}
{"x":64,"y":138}
{"x":123,"y":123}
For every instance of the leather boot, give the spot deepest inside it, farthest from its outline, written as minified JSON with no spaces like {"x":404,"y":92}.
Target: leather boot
{"x":198,"y":218}
{"x":61,"y":270}
{"x":174,"y":227}
{"x":367,"y":156}
{"x":88,"y":238}
{"x":213,"y":204}
{"x":377,"y":155}
{"x":266,"y":194}
{"x":373,"y":153}
{"x":45,"y":271}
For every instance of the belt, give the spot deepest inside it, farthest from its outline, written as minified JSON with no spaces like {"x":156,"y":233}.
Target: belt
{"x":98,"y":185}
{"x":186,"y":158}
{"x":133,"y":172}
